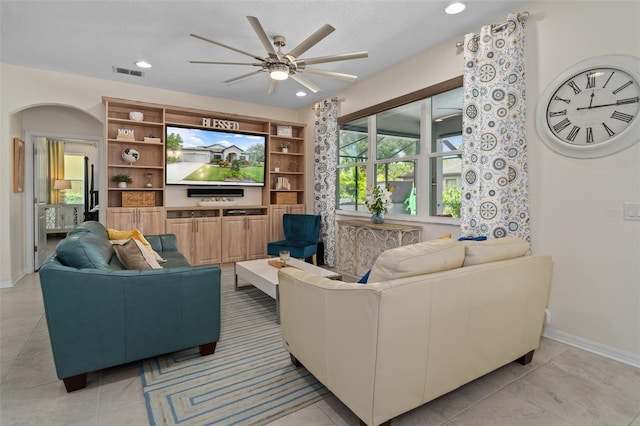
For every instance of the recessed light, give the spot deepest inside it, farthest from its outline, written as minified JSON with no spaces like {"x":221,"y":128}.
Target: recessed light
{"x":143,"y":64}
{"x":455,"y":7}
{"x":301,"y":93}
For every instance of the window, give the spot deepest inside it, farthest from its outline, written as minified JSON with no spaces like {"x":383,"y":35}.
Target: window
{"x":74,"y":171}
{"x":414,"y":149}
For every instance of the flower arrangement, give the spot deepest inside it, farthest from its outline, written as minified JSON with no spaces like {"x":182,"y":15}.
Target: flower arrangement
{"x":378,"y":200}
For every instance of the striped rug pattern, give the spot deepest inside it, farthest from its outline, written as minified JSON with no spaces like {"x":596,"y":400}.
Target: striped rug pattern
{"x":249,"y":380}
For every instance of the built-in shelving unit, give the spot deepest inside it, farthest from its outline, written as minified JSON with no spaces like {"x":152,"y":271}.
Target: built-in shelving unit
{"x":286,"y":164}
{"x":146,"y":136}
{"x":239,"y":236}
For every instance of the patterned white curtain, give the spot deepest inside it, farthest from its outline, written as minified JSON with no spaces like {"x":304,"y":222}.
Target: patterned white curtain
{"x":495,"y":200}
{"x":324,"y":165}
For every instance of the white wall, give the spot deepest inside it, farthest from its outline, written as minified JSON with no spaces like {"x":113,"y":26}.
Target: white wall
{"x":576,"y":205}
{"x":24,"y":88}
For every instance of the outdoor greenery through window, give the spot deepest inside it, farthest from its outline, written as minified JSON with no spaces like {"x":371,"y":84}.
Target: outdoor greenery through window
{"x":413,"y":149}
{"x":74,"y":172}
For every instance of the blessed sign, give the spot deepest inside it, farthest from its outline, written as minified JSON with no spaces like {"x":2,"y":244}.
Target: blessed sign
{"x":221,"y":124}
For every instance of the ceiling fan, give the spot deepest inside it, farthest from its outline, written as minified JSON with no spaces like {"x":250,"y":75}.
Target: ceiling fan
{"x":280,"y":65}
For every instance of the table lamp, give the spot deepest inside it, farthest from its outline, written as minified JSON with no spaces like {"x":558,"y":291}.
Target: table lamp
{"x":62,"y":185}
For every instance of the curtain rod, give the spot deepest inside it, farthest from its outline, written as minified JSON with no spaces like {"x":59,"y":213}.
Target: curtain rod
{"x":334,"y":98}
{"x":499,"y":27}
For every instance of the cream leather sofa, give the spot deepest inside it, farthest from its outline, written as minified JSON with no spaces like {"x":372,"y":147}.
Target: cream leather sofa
{"x":432,"y":317}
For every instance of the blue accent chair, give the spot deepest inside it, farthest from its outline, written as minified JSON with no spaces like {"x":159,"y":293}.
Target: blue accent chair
{"x":301,"y":234}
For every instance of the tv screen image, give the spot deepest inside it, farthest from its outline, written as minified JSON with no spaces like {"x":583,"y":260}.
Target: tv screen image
{"x":197,"y":156}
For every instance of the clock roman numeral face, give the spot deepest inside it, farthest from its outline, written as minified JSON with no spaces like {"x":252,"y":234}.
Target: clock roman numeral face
{"x":593,"y":106}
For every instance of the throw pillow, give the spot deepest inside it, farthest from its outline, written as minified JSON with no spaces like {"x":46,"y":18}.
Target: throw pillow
{"x":117,"y":235}
{"x":133,"y":255}
{"x":480,"y":238}
{"x":365,"y":277}
{"x":417,"y":259}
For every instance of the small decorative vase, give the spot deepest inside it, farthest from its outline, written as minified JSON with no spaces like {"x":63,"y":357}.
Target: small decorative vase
{"x":285,"y":149}
{"x":377,"y":218}
{"x":122,"y":184}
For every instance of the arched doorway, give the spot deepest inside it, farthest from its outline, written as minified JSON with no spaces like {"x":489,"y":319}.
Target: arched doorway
{"x":47,"y":216}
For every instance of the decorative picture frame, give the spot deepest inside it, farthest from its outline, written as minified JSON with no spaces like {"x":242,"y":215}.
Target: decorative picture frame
{"x":284,"y":131}
{"x":18,"y":164}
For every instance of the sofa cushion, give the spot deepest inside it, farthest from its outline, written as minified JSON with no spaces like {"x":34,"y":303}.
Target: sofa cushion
{"x":84,"y":250}
{"x":134,"y":255}
{"x":492,"y":250}
{"x":417,"y":259}
{"x":91,"y":226}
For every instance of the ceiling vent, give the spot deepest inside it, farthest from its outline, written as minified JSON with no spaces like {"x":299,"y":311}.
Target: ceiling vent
{"x":126,"y":71}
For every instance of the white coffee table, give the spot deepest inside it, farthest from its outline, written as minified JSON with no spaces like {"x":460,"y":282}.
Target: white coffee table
{"x":265,"y":277}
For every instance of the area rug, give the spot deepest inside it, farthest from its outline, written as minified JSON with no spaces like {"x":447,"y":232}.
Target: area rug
{"x":249,"y":380}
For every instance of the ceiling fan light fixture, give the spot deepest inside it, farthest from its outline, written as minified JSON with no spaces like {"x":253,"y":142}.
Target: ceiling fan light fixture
{"x":279,"y":72}
{"x":455,"y":7}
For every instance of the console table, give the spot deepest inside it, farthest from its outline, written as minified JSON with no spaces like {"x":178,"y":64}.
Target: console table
{"x":360,"y":243}
{"x":60,"y":218}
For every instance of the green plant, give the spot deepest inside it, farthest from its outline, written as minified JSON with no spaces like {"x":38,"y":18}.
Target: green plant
{"x":451,"y":201}
{"x":122,"y":178}
{"x":285,"y":145}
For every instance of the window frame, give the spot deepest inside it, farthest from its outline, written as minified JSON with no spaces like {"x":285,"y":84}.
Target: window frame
{"x":76,"y":179}
{"x":422,"y":159}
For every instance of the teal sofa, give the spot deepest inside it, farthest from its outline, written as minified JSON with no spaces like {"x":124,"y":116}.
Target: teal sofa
{"x":100,"y":315}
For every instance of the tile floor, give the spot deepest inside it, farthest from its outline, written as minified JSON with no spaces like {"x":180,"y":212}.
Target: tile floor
{"x":562,"y":386}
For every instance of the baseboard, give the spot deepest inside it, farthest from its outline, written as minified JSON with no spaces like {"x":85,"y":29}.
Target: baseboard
{"x":595,"y":347}
{"x":7,"y":284}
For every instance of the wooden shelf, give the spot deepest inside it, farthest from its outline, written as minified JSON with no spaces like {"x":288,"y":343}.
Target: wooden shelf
{"x":152,"y":159}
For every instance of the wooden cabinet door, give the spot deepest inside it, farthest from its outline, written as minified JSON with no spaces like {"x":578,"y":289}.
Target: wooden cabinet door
{"x":206,"y":241}
{"x":234,"y":238}
{"x":122,"y":219}
{"x":276,"y":212}
{"x":257,"y":237}
{"x":183,"y":230}
{"x":150,"y":220}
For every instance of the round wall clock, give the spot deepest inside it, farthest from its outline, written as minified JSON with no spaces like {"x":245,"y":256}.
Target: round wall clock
{"x":592,"y":108}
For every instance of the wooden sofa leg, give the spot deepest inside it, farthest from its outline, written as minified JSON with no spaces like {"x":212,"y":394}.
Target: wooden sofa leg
{"x":295,"y":361}
{"x":76,"y":382}
{"x":207,"y":348}
{"x":314,"y":259}
{"x":387,"y":423}
{"x":526,"y":358}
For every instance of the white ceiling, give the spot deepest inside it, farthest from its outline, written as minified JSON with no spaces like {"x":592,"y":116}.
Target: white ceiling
{"x":90,"y":37}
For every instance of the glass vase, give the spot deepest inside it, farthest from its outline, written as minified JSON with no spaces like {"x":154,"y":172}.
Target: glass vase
{"x":377,"y":218}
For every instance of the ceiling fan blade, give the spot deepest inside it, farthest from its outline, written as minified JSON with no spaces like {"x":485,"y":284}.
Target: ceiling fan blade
{"x":225,"y":63}
{"x":341,"y":76}
{"x":312,"y":40}
{"x":227,"y":47}
{"x":262,"y":35}
{"x":272,"y":85}
{"x":331,"y":58}
{"x":306,"y":83}
{"x":243,"y":76}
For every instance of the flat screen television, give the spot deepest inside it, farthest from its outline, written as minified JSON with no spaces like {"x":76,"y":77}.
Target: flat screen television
{"x":196,"y":156}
